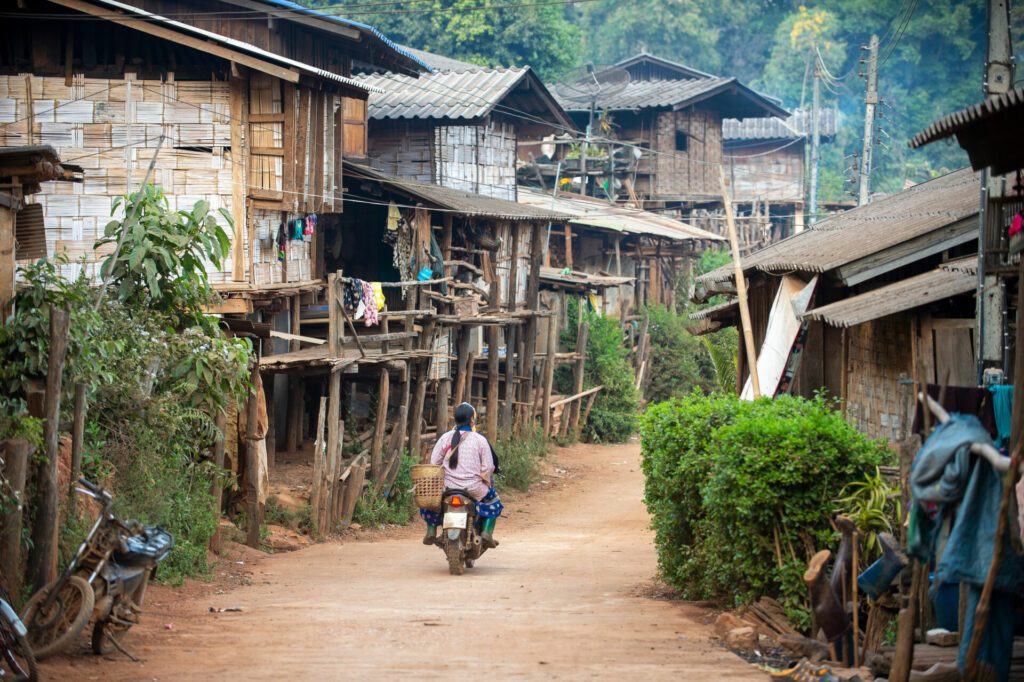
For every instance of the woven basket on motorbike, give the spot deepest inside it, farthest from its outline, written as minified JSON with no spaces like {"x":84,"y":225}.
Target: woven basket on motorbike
{"x":428,"y":485}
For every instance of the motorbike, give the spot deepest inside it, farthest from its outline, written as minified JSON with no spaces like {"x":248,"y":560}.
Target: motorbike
{"x":104,"y":582}
{"x":460,"y":537}
{"x":17,"y":664}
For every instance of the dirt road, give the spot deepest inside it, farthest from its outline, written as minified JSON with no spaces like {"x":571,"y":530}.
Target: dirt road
{"x":562,"y":598}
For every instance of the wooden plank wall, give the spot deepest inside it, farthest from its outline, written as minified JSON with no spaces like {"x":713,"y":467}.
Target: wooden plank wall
{"x":694,"y":171}
{"x":403,"y":149}
{"x":763,"y":171}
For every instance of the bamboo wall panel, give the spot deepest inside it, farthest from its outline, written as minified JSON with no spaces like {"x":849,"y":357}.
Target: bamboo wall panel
{"x":878,"y":353}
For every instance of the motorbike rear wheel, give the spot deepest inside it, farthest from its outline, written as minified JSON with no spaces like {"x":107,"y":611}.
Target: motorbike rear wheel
{"x":453,"y":551}
{"x":17,"y":659}
{"x":57,"y":628}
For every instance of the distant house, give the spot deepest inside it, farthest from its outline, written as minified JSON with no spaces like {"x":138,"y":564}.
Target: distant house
{"x":672,"y":114}
{"x":458,"y":128}
{"x":765,"y":161}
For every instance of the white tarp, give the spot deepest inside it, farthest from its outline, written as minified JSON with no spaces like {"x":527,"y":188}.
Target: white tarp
{"x":792,"y":301}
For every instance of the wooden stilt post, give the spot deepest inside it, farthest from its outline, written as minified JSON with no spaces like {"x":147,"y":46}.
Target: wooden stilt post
{"x":577,"y":376}
{"x":549,"y":371}
{"x":464,"y":381}
{"x":217,"y":488}
{"x":42,"y":559}
{"x":510,"y":376}
{"x":337,"y":486}
{"x":317,"y":490}
{"x":377,"y":445}
{"x":741,"y":289}
{"x":333,"y":446}
{"x":493,"y":341}
{"x":77,"y":438}
{"x":532,"y":303}
{"x":415,"y":429}
{"x":15,"y":455}
{"x":293,"y":422}
{"x":253,"y":509}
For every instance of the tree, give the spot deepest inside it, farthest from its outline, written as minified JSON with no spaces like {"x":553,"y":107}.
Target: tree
{"x":798,"y":39}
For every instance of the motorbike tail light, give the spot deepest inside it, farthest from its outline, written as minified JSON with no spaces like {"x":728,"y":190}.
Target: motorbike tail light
{"x":456,"y":501}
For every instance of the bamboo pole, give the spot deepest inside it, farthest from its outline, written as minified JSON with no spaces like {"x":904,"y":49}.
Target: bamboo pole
{"x":578,"y":375}
{"x":549,"y":371}
{"x":254,"y":511}
{"x":741,"y":289}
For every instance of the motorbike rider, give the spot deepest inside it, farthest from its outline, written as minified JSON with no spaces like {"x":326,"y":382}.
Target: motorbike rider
{"x":469,"y":464}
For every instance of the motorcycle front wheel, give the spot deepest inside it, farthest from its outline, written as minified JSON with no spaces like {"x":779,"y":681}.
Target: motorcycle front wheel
{"x":17,"y":663}
{"x":53,"y":630}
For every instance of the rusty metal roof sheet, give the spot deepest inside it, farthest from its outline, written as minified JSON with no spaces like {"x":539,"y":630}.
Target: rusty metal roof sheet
{"x":679,"y":94}
{"x":454,"y":200}
{"x":715,"y":312}
{"x":865,"y":230}
{"x":463,"y":94}
{"x":907,"y":294}
{"x":988,"y":132}
{"x":600,"y":214}
{"x":797,"y":125}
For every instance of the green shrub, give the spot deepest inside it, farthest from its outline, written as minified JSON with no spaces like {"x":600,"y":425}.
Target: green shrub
{"x":741,"y":493}
{"x":520,"y":458}
{"x":395,"y":506}
{"x":613,"y":419}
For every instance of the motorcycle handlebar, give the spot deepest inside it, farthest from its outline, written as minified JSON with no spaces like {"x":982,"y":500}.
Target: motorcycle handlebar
{"x":92,"y":487}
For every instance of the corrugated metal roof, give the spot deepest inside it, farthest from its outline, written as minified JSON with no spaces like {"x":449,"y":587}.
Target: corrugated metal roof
{"x":677,"y":94}
{"x":682,"y":69}
{"x":364,"y":28}
{"x":601,"y":214}
{"x":796,"y":126}
{"x":868,"y":229}
{"x":722,"y":310}
{"x":468,"y":94}
{"x":936,"y":285}
{"x":439,"y":62}
{"x":237,"y":44}
{"x":458,"y":201}
{"x":949,"y":125}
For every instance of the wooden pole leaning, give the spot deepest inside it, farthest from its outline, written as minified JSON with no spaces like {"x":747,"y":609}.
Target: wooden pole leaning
{"x":741,"y":288}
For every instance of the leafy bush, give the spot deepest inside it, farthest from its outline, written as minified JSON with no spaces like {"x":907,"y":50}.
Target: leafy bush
{"x":395,"y":506}
{"x":520,"y":458}
{"x":613,"y":417}
{"x":741,"y":493}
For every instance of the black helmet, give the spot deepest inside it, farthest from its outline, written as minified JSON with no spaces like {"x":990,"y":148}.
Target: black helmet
{"x":464,"y":414}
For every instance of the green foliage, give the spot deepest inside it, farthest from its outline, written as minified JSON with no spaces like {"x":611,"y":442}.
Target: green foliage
{"x":874,"y":505}
{"x":161,"y":259}
{"x":613,"y":417}
{"x":481,"y":32}
{"x":298,"y":520}
{"x":395,"y":506}
{"x":520,"y":457}
{"x":741,"y":493}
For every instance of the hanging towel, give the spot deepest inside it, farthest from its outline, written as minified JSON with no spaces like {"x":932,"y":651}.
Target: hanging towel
{"x":1002,"y":406}
{"x":282,"y":243}
{"x":394,"y":216}
{"x":378,"y":295}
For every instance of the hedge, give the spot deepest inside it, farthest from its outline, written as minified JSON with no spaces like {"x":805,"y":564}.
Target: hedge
{"x":741,"y":493}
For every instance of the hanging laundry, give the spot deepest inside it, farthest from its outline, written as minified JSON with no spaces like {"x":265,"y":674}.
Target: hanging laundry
{"x":309,"y":229}
{"x":394,"y":216}
{"x":298,"y":225}
{"x":353,"y":294}
{"x":369,"y":299}
{"x":1002,"y":407}
{"x":1017,"y":225}
{"x":963,"y":400}
{"x":282,"y":243}
{"x":378,"y":295}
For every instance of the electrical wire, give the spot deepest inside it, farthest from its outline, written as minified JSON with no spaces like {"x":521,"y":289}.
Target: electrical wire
{"x":899,"y":36}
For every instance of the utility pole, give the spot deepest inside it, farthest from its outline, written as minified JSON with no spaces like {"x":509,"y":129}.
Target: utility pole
{"x":871,"y":101}
{"x":815,"y":142}
{"x":993,"y":350}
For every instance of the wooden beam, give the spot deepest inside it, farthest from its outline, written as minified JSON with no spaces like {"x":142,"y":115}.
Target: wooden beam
{"x":159,"y":31}
{"x":234,"y":306}
{"x":297,"y":338}
{"x":7,"y":258}
{"x":317,"y":520}
{"x":254,"y":510}
{"x":332,"y":460}
{"x":575,"y":397}
{"x":582,"y":335}
{"x":549,"y":372}
{"x":77,"y":443}
{"x":15,"y":456}
{"x":741,"y":290}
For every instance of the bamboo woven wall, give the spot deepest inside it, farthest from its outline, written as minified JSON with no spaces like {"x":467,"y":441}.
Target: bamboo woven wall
{"x":477,"y":158}
{"x":111,"y":128}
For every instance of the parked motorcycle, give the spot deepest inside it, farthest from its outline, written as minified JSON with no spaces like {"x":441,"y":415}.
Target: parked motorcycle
{"x":105,"y":582}
{"x":460,"y":537}
{"x":17,"y":664}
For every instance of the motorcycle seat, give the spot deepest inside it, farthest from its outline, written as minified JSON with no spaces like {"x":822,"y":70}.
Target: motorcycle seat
{"x":151,"y":547}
